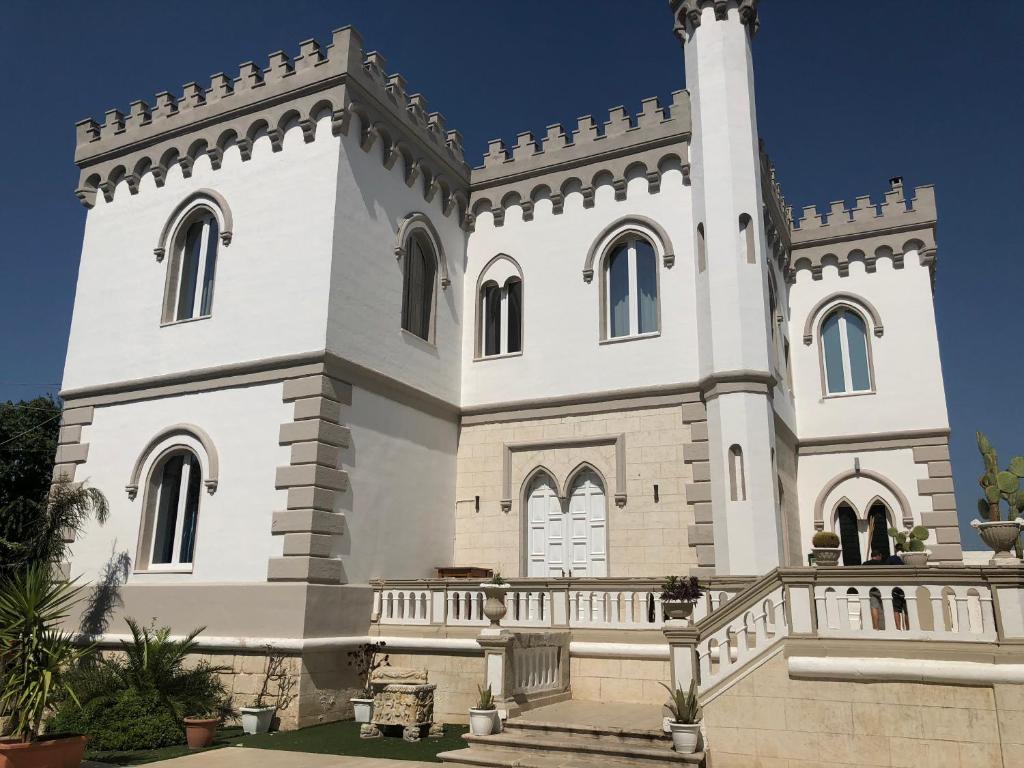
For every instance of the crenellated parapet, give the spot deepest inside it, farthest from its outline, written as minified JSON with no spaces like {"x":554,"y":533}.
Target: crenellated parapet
{"x":339,"y":81}
{"x":777,"y":214}
{"x":866,"y":231}
{"x":612,"y":152}
{"x":689,"y":14}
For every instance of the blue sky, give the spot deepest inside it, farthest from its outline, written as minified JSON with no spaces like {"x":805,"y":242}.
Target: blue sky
{"x":848,"y":95}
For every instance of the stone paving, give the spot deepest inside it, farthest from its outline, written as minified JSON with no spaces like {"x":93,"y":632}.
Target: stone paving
{"x":241,"y":757}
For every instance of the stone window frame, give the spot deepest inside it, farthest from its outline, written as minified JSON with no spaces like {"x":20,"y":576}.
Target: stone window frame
{"x":622,"y":229}
{"x":905,"y":511}
{"x":418,"y":224}
{"x":813,"y":327}
{"x":165,"y":444}
{"x":199,"y":204}
{"x":482,"y":280}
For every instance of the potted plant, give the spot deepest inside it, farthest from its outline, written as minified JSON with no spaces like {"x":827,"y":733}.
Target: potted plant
{"x":258,"y":715}
{"x":679,"y":595}
{"x":200,"y":728}
{"x":494,"y":606}
{"x":912,"y":542}
{"x":1000,"y":486}
{"x":825,"y":545}
{"x":483,"y":717}
{"x":34,"y":653}
{"x":365,"y":660}
{"x":685,"y":718}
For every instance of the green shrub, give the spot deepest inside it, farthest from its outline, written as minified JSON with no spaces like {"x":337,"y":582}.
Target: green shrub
{"x":825,"y":539}
{"x":127,"y":721}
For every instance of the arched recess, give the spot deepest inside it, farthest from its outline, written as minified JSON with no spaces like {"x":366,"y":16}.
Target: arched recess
{"x":581,"y":468}
{"x":202,"y":198}
{"x":639,"y":225}
{"x":420,"y":222}
{"x":501,"y":269}
{"x":539,"y":471}
{"x":165,"y":439}
{"x":901,"y":499}
{"x":836,"y":299}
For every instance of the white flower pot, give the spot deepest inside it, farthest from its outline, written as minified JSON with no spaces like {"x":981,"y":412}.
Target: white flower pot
{"x":362,"y":709}
{"x":685,"y":737}
{"x":257,"y":719}
{"x":679,"y":609}
{"x":826,"y":557}
{"x":494,"y":605}
{"x":1001,"y":536}
{"x":482,"y":721}
{"x":916,"y":559}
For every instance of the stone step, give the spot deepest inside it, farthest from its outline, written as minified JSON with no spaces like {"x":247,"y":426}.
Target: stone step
{"x":524,"y":742}
{"x":536,"y":758}
{"x":637,"y":736}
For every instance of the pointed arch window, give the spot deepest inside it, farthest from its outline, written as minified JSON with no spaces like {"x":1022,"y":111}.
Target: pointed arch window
{"x":845,"y":352}
{"x":737,"y":475}
{"x":418,"y":280}
{"x":501,"y":308}
{"x":631,"y":280}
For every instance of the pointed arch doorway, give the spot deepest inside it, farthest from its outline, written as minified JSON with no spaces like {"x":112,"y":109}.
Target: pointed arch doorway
{"x":567,"y":538}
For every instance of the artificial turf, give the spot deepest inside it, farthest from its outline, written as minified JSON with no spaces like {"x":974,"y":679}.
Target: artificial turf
{"x":340,"y":738}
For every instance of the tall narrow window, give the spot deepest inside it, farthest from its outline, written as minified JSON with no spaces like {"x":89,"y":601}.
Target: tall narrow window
{"x":702,"y":256}
{"x":502,"y":311}
{"x":492,"y":318}
{"x":631,"y":277}
{"x":849,"y":536}
{"x":514,"y":300}
{"x":197,"y":266}
{"x":418,"y":287}
{"x":747,"y":238}
{"x":845,"y":352}
{"x":737,"y":478}
{"x":179,"y":479}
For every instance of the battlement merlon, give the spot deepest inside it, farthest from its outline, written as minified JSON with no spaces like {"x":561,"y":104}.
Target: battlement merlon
{"x":341,"y":78}
{"x":868,"y":229}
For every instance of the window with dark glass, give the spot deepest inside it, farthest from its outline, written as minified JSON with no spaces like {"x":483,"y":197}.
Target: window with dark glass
{"x":418,"y":287}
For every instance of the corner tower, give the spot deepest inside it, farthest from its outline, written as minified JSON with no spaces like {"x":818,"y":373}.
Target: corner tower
{"x":733,"y":323}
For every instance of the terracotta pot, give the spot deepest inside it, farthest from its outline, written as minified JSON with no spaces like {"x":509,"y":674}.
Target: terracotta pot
{"x":826,"y":557}
{"x":916,"y":559}
{"x":199,"y":731}
{"x":494,"y":606}
{"x":62,"y":752}
{"x":1000,"y":536}
{"x":679,"y":609}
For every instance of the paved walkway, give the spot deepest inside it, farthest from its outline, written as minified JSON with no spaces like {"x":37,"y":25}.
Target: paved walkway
{"x":240,"y":757}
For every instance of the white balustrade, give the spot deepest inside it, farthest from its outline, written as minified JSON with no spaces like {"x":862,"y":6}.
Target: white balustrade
{"x":748,"y":634}
{"x":536,"y":669}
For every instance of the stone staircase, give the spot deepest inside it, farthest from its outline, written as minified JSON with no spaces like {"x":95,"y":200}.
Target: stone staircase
{"x":576,"y":734}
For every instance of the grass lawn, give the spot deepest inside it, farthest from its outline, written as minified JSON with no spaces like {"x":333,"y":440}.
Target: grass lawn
{"x":331,"y":739}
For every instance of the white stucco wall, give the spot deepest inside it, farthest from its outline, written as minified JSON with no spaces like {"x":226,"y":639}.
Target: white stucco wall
{"x":400,"y":506}
{"x":270,"y":296}
{"x":233,"y":539}
{"x":562,"y":353}
{"x":365,"y":322}
{"x":908,"y":392}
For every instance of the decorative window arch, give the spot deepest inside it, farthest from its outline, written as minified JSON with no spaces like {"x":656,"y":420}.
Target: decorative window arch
{"x":901,"y":499}
{"x":499,"y":308}
{"x":177,"y":463}
{"x":192,"y":235}
{"x":419,"y":249}
{"x":845,"y":352}
{"x":626,"y":256}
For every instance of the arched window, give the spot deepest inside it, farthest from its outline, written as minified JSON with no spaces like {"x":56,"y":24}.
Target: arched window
{"x":849,"y":537}
{"x":702,"y":256}
{"x":845,"y":353}
{"x":171,"y":511}
{"x":737,"y":478}
{"x":501,"y":308}
{"x":631,"y":280}
{"x":192,"y":268}
{"x":747,"y":238}
{"x":418,"y":279}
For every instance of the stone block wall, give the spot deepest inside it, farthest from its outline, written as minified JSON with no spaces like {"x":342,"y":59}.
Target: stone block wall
{"x":645,"y":537}
{"x":770,"y":720}
{"x":619,"y":680}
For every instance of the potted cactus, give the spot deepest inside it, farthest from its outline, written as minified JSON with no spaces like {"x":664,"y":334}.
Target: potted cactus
{"x":912,"y":543}
{"x":494,"y":606}
{"x":679,"y":595}
{"x":825,"y":545}
{"x":483,"y":717}
{"x":684,"y":722}
{"x":1000,"y":486}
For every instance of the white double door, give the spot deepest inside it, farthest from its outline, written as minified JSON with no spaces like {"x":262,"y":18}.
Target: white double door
{"x":567,"y":539}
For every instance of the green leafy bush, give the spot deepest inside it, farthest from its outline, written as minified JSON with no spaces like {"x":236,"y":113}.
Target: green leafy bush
{"x":127,"y":721}
{"x":825,"y":539}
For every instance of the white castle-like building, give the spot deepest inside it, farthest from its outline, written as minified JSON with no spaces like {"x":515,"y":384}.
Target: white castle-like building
{"x":315,"y":356}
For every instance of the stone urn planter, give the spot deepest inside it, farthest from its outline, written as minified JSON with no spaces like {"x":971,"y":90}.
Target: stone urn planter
{"x":685,"y":737}
{"x":362,"y":710}
{"x":257,"y":719}
{"x":494,"y":605}
{"x":1001,"y":537}
{"x":826,"y":557}
{"x":916,"y":559}
{"x":679,"y":609}
{"x":60,"y":752}
{"x":199,"y":731}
